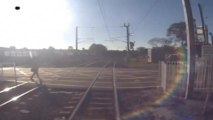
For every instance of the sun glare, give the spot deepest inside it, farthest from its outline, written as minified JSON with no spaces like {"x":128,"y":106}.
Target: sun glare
{"x":37,"y":24}
{"x":6,"y":89}
{"x":15,"y":98}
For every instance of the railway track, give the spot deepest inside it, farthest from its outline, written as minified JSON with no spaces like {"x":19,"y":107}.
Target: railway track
{"x":24,"y":101}
{"x":25,"y":73}
{"x":93,"y":103}
{"x":13,"y":93}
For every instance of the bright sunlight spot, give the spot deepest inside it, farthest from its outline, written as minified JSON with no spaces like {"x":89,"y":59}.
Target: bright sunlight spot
{"x":37,"y":24}
{"x":6,"y":89}
{"x":15,"y":98}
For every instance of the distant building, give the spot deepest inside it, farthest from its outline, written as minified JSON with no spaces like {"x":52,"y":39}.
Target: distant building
{"x":19,"y":53}
{"x":199,"y":38}
{"x":200,"y":35}
{"x":149,"y":56}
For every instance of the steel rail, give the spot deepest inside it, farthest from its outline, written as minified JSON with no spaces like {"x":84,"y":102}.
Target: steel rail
{"x":86,"y":93}
{"x":18,"y":96}
{"x":117,"y":110}
{"x":85,"y":66}
{"x":98,"y":87}
{"x":13,"y":87}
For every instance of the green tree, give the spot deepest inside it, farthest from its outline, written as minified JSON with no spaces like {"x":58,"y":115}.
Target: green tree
{"x":12,"y":47}
{"x":159,"y":42}
{"x":70,"y":48}
{"x":178,"y":31}
{"x":25,"y":48}
{"x":97,"y":49}
{"x":51,"y":48}
{"x":142,"y":51}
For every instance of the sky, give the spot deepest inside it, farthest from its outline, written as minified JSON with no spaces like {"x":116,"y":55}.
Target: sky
{"x":43,"y":23}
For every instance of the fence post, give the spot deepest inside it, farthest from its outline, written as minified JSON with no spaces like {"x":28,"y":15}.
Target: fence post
{"x":159,"y":71}
{"x":163,"y":75}
{"x":14,"y":68}
{"x":2,"y":72}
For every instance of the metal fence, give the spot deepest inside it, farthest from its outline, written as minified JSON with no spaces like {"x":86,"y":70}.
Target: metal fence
{"x":8,"y":71}
{"x":204,"y":75}
{"x":174,"y":74}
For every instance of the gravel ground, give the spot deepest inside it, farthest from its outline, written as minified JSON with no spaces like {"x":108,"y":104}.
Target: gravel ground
{"x":141,"y":105}
{"x":138,"y":104}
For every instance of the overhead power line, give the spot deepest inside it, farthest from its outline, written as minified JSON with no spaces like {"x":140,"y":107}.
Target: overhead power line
{"x":143,"y":18}
{"x":103,"y":14}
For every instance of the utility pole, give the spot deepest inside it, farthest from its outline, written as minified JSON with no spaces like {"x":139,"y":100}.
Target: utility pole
{"x":211,"y":37}
{"x":203,"y":25}
{"x":76,"y":38}
{"x":190,"y":47}
{"x":127,"y":38}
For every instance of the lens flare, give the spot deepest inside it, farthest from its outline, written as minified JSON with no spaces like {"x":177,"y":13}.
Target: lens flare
{"x":173,"y":89}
